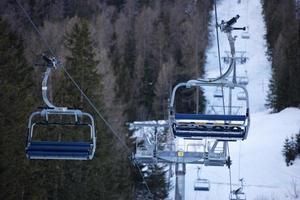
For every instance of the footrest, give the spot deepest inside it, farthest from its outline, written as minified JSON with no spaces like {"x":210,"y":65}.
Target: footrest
{"x":216,"y":135}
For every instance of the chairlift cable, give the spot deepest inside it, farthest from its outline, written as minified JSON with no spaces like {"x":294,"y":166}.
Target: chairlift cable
{"x":219,"y":55}
{"x":240,"y":145}
{"x":35,"y":28}
{"x":82,"y":92}
{"x":246,"y":185}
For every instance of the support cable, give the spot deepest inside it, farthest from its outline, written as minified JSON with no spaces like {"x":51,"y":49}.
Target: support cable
{"x":219,"y":55}
{"x":114,"y":132}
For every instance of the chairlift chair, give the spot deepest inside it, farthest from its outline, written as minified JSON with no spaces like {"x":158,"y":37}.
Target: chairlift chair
{"x":243,"y":80}
{"x":237,"y":195}
{"x":52,"y":116}
{"x":243,"y":60}
{"x":226,"y":59}
{"x":226,"y":127}
{"x":241,"y":96}
{"x":215,"y":126}
{"x":201,"y":185}
{"x":246,"y":35}
{"x":218,"y":93}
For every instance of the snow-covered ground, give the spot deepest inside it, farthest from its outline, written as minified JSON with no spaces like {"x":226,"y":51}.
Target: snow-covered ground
{"x":258,"y":159}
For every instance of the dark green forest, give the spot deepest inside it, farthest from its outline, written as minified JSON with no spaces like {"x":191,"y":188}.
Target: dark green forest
{"x":125,"y":55}
{"x":283,"y":39}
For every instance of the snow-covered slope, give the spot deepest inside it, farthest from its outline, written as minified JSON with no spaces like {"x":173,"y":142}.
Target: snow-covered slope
{"x":257,"y":67}
{"x":258,"y":159}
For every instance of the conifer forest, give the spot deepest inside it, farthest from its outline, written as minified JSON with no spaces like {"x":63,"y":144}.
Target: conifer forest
{"x":126,"y":56}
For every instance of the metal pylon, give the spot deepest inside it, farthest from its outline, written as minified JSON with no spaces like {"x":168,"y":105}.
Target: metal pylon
{"x":180,"y":170}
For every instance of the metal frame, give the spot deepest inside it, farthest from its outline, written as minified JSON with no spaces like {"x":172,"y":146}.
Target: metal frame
{"x":148,"y":151}
{"x":53,"y":110}
{"x":209,"y":123}
{"x":45,"y":114}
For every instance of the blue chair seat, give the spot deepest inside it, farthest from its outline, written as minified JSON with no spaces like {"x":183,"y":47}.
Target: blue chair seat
{"x":56,"y":149}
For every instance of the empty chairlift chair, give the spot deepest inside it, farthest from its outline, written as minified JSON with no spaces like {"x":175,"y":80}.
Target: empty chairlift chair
{"x":59,"y":149}
{"x":246,"y":35}
{"x":241,"y":96}
{"x":59,"y":119}
{"x":242,"y":59}
{"x":218,"y":92}
{"x":217,"y":126}
{"x":201,"y":184}
{"x":243,"y":80}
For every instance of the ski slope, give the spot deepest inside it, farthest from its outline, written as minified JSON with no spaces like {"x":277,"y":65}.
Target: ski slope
{"x":258,"y":159}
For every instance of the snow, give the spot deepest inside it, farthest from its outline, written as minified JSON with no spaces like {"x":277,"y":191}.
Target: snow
{"x":258,"y":160}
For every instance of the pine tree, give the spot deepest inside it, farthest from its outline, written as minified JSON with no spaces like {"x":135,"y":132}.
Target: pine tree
{"x":127,"y":69}
{"x":16,"y":96}
{"x":147,"y":89}
{"x":271,"y":97}
{"x":298,"y":142}
{"x":158,"y":183}
{"x":283,"y":50}
{"x":115,"y":60}
{"x":155,"y":177}
{"x":102,"y":177}
{"x":289,"y":151}
{"x":82,"y":66}
{"x":119,"y":4}
{"x":126,"y":77}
